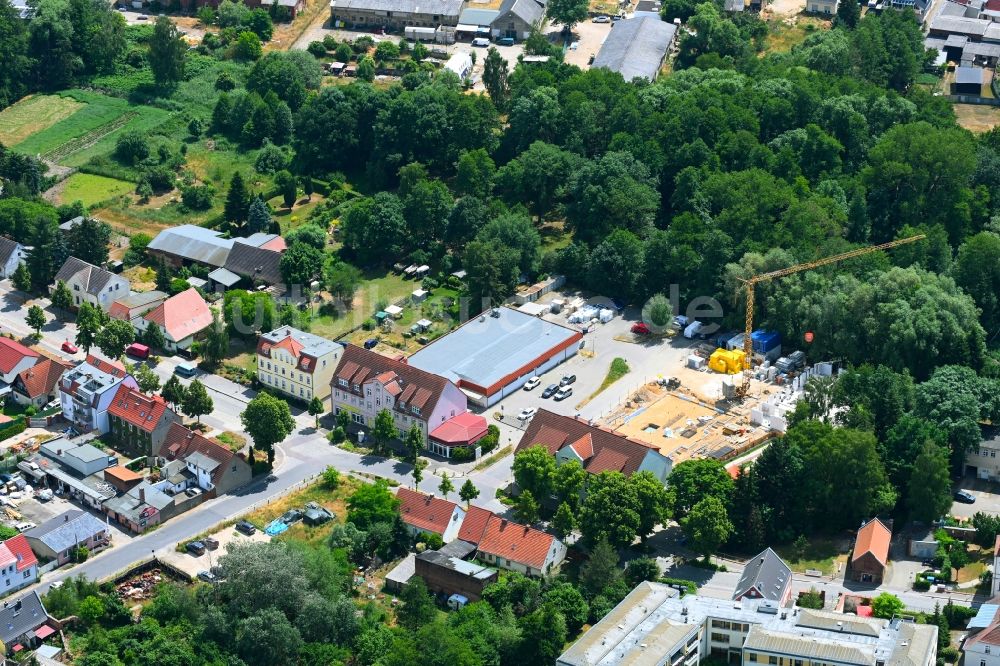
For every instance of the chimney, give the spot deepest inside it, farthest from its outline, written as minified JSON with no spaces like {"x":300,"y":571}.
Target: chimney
{"x":66,"y":518}
{"x":142,"y":495}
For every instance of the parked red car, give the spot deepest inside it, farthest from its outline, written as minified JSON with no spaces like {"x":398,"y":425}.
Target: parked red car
{"x":640,"y":328}
{"x":69,"y":347}
{"x":137,"y":350}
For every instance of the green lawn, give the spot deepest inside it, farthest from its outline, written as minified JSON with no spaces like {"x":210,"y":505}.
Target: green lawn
{"x":821,"y":555}
{"x":91,"y":189}
{"x":34,"y":114}
{"x":93,"y":129}
{"x":377,"y":288}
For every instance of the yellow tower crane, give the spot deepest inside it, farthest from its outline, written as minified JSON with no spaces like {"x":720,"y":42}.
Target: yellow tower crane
{"x":751,"y":282}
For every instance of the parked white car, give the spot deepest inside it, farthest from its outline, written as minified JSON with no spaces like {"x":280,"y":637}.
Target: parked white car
{"x":526,"y":413}
{"x":532,"y":383}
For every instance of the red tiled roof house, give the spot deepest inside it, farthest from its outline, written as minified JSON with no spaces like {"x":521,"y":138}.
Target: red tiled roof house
{"x":18,"y":564}
{"x":516,"y":547}
{"x":182,"y":318}
{"x":39,"y":384}
{"x":138,"y":423}
{"x":426,"y":513}
{"x":596,"y":449}
{"x":15,"y":358}
{"x":214,"y":467}
{"x":871,"y":552}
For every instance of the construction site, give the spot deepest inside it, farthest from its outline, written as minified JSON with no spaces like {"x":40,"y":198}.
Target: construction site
{"x":734,"y":390}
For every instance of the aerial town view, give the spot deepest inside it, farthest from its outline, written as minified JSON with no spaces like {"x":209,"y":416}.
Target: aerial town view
{"x":499,"y":332}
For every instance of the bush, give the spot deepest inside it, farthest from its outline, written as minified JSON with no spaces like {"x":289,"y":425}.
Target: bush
{"x":368,"y":324}
{"x":686,"y":586}
{"x":431,"y":540}
{"x":921,"y":585}
{"x":330,"y":43}
{"x":363,"y":44}
{"x":317,"y":49}
{"x":463,"y":454}
{"x":160,"y":179}
{"x":15,"y":428}
{"x":198,"y":197}
{"x":337,"y":435}
{"x":949,"y":655}
{"x":131,"y":147}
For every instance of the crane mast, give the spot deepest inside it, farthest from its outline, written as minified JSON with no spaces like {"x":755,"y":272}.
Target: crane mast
{"x":750,"y":283}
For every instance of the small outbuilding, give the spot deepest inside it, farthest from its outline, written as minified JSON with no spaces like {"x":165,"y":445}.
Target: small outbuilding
{"x":871,"y":552}
{"x":968,"y":81}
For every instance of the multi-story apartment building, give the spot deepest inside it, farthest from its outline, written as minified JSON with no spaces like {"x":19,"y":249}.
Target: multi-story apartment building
{"x":18,"y":564}
{"x":86,"y":392}
{"x":137,"y":422}
{"x":297,"y":363}
{"x":366,"y":382}
{"x":655,"y":626}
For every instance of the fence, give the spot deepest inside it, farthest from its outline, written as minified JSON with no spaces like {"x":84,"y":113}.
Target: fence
{"x":974,"y":99}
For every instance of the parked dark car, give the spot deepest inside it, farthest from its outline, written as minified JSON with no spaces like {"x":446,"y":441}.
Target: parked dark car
{"x":207,"y":576}
{"x":550,"y":390}
{"x":371,"y":343}
{"x":196,"y":548}
{"x":244,"y":527}
{"x":567,"y":380}
{"x":964,"y":497}
{"x":210,"y":543}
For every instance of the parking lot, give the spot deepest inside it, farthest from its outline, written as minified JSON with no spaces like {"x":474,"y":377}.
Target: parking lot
{"x":987,"y":496}
{"x":192,"y":564}
{"x":648,"y":359}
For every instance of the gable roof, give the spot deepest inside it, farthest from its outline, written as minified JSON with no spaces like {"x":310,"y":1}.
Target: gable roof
{"x":16,"y":550}
{"x":13,"y":352}
{"x":91,"y":278}
{"x":181,"y":443}
{"x":182,"y":315}
{"x":425,"y":512}
{"x":636,"y":47}
{"x":515,"y":542}
{"x":767,"y":574}
{"x":7,"y":249}
{"x":41,"y":378}
{"x":193,"y":243}
{"x":474,"y":524}
{"x":411,"y":386}
{"x":874,"y":537}
{"x":67,"y":529}
{"x":528,"y":11}
{"x":122,"y":307}
{"x":21,"y":615}
{"x":141,"y":410}
{"x":254,"y":263}
{"x":600,"y":449}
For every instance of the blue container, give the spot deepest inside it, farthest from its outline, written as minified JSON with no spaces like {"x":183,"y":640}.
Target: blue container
{"x":765,"y":341}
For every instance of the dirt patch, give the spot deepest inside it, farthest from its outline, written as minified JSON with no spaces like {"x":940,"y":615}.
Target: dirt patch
{"x":141,"y":278}
{"x":977,"y":117}
{"x":786,"y":7}
{"x":286,"y":34}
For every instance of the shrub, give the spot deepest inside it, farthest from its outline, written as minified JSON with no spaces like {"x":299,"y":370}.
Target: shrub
{"x":160,"y":179}
{"x":337,"y":435}
{"x":921,"y":585}
{"x":131,"y":147}
{"x":198,"y":197}
{"x":431,"y":540}
{"x":686,"y":586}
{"x":368,"y":324}
{"x":330,"y":43}
{"x":317,"y":49}
{"x":362,"y":44}
{"x":15,"y":428}
{"x":463,"y":454}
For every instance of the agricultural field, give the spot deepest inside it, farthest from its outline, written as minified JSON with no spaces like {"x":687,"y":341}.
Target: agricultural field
{"x":91,"y":130}
{"x":91,"y":189}
{"x":33,"y":115}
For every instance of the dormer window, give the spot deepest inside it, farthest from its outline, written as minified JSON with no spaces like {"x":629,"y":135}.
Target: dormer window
{"x":342,"y":382}
{"x":415,"y":410}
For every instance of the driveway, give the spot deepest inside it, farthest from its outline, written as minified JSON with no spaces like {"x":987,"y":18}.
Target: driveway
{"x":987,"y":496}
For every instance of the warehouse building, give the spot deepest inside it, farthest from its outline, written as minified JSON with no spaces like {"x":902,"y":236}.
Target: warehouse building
{"x":393,"y":14}
{"x":636,"y":48}
{"x":493,"y":355}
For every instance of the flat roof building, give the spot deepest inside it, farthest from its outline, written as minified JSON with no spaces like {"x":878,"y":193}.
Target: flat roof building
{"x":636,"y":48}
{"x":493,"y":355}
{"x":654,"y":625}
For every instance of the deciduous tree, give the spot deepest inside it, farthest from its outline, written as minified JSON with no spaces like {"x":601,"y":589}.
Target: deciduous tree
{"x":167,"y":51}
{"x":268,"y":421}
{"x":197,"y":402}
{"x":707,"y":526}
